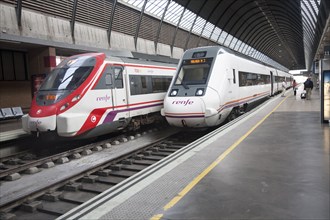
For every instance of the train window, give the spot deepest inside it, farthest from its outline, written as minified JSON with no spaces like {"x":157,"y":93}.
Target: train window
{"x":106,"y":80}
{"x":251,"y":79}
{"x":148,"y":84}
{"x":143,"y":82}
{"x":264,"y":79}
{"x":69,"y":74}
{"x":118,"y":77}
{"x":160,"y":84}
{"x":193,"y":74}
{"x":139,"y":84}
{"x":277,"y":79}
{"x":111,"y":77}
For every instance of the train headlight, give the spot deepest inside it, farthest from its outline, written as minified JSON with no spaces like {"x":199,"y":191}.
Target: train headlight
{"x":174,"y":92}
{"x":64,"y":106}
{"x":76,"y":98}
{"x":199,"y":92}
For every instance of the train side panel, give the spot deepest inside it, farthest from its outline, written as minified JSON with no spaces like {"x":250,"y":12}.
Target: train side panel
{"x":147,"y":88}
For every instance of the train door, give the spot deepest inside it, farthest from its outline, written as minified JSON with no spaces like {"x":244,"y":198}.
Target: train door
{"x":276,"y":81}
{"x":232,"y":84}
{"x":271,"y":83}
{"x":118,"y":90}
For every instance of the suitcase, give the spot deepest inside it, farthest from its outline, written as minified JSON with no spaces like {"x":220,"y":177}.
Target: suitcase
{"x":303,"y":95}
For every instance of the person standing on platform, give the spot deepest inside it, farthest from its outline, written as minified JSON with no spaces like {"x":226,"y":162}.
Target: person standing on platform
{"x":294,"y":85}
{"x":283,"y":87}
{"x":308,"y":86}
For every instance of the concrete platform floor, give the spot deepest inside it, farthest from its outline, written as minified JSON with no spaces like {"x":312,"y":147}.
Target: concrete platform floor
{"x":280,"y":171}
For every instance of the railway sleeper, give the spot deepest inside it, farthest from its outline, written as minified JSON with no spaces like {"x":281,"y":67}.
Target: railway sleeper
{"x":36,"y":215}
{"x":168,"y":150}
{"x":104,"y":172}
{"x":145,"y":162}
{"x":178,"y":145}
{"x":78,"y":197}
{"x":57,"y":208}
{"x":162,"y":154}
{"x":98,"y":187}
{"x":134,"y":167}
{"x":90,"y":179}
{"x":52,"y":197}
{"x":123,"y":173}
{"x":72,"y":186}
{"x":111,"y":180}
{"x":154,"y":158}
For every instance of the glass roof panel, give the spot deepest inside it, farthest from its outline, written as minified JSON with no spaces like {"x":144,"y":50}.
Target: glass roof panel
{"x":199,"y":24}
{"x":187,"y":20}
{"x":207,"y":30}
{"x":222,"y":37}
{"x":174,"y":12}
{"x":215,"y":34}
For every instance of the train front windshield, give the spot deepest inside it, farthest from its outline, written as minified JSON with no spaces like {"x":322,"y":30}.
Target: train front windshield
{"x":194,"y":72}
{"x":65,"y":78}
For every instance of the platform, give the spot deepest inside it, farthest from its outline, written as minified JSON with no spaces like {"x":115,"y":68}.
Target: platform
{"x":272,"y":164}
{"x":11,"y":130}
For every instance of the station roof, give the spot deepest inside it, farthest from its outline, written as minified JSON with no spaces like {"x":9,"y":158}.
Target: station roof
{"x":287,"y":34}
{"x":290,"y":32}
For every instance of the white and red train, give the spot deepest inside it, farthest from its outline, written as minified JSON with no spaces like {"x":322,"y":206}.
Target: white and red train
{"x":213,"y":84}
{"x":88,"y":95}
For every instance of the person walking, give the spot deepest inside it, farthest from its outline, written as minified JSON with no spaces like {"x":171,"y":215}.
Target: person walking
{"x":294,"y":85}
{"x":283,"y":87}
{"x":308,"y":86}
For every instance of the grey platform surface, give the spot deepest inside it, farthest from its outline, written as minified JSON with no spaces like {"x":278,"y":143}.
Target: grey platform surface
{"x":11,"y":129}
{"x":273,"y":164}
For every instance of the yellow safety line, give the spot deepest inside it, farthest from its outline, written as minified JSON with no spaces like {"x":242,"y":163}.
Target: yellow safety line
{"x":213,"y":164}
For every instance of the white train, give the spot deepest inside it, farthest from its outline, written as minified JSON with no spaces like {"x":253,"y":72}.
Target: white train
{"x":90,"y":94}
{"x":213,"y":84}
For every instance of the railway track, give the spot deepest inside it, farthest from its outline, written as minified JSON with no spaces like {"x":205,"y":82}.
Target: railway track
{"x":55,"y":199}
{"x":33,"y":155}
{"x":23,"y":155}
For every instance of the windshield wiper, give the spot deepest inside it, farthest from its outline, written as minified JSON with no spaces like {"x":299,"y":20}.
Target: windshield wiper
{"x":185,"y":85}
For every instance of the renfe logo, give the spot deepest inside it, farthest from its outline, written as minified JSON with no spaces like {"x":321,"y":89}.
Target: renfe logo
{"x":185,"y":102}
{"x":103,"y":98}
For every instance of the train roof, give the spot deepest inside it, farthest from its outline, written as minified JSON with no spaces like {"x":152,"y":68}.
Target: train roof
{"x":215,"y":50}
{"x":140,"y":61}
{"x":140,"y":58}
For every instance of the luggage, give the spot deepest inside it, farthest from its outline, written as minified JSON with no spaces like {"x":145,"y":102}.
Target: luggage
{"x":303,"y":95}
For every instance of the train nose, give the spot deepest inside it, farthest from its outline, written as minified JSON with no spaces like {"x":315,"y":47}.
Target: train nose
{"x":39,"y":120}
{"x":41,"y":124}
{"x":185,"y":112}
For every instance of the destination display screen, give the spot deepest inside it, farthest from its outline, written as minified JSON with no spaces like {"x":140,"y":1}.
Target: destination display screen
{"x":197,"y":61}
